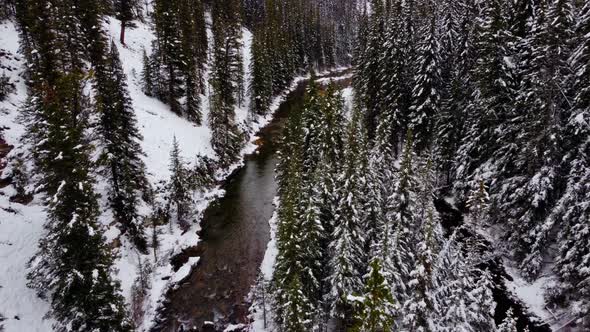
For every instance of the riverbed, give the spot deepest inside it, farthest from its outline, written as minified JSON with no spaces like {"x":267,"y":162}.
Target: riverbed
{"x":234,"y":237}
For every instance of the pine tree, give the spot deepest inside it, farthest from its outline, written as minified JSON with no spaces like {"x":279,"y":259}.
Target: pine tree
{"x":457,"y":63}
{"x":548,"y":67}
{"x":378,"y":308}
{"x":73,"y":267}
{"x":291,"y":303}
{"x":509,"y":323}
{"x":121,"y":156}
{"x":261,"y":85}
{"x":369,"y":66}
{"x":426,"y":92}
{"x":348,"y":258}
{"x":478,"y":201}
{"x":147,"y":75}
{"x":203,"y":174}
{"x":572,"y":210}
{"x":226,"y":137}
{"x":193,"y":41}
{"x":168,"y":53}
{"x":420,"y":311}
{"x":492,"y":97}
{"x":481,"y":309}
{"x":179,"y":185}
{"x":126,"y":11}
{"x":296,"y":308}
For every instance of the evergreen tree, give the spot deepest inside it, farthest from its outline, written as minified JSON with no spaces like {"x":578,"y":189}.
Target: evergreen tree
{"x":121,"y":155}
{"x":420,"y":311}
{"x":478,"y":201}
{"x":509,"y":323}
{"x":545,"y":97}
{"x":378,"y":308}
{"x":193,"y":41}
{"x":426,"y":92}
{"x":147,"y":75}
{"x":261,"y":88}
{"x":179,"y":185}
{"x":348,"y":258}
{"x":369,"y":66}
{"x":481,"y":309}
{"x":492,"y":97}
{"x":73,"y":267}
{"x":573,"y":209}
{"x":227,"y":137}
{"x":126,"y":11}
{"x":168,"y":53}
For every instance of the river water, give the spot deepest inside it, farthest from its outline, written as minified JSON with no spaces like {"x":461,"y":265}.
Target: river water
{"x":233,"y":241}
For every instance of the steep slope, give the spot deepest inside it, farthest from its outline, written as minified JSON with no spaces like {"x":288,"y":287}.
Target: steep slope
{"x":21,"y":226}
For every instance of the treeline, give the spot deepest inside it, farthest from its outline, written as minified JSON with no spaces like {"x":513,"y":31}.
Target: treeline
{"x":497,"y":92}
{"x":290,"y":37}
{"x":360,"y":245}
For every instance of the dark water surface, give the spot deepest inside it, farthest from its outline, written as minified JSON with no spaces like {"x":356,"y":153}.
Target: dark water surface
{"x":233,"y":241}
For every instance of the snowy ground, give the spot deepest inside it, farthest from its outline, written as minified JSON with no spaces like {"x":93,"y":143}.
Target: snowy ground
{"x":20,"y":226}
{"x":531,"y":294}
{"x":267,"y":269}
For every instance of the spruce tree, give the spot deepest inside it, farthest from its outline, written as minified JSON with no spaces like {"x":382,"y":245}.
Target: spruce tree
{"x":426,"y":92}
{"x":168,"y":53}
{"x":147,"y":75}
{"x":73,"y":267}
{"x":347,"y":264}
{"x":509,"y":323}
{"x":126,"y":11}
{"x":573,"y":209}
{"x":179,"y":186}
{"x":121,"y":156}
{"x":227,"y":137}
{"x":378,"y":308}
{"x":481,"y":309}
{"x":492,"y":97}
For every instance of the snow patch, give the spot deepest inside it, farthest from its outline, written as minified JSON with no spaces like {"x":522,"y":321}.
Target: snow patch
{"x":185,"y":270}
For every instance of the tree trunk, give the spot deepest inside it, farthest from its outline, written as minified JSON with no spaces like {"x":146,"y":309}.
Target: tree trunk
{"x":122,"y":38}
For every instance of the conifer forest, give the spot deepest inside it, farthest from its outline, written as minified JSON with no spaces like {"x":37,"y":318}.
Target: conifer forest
{"x":294,"y":165}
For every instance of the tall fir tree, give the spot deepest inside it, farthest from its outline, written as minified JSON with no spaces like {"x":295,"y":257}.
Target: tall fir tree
{"x":227,"y":137}
{"x":179,"y":187}
{"x":121,"y":156}
{"x":73,"y":267}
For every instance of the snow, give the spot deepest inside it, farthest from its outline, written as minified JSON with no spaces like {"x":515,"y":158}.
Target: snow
{"x":267,"y":269}
{"x":532,"y":294}
{"x":20,"y":226}
{"x":185,"y":270}
{"x":348,"y":95}
{"x":327,"y":80}
{"x":234,"y":327}
{"x":353,"y":298}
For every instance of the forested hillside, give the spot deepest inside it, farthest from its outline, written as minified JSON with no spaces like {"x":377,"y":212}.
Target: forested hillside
{"x":482,"y":104}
